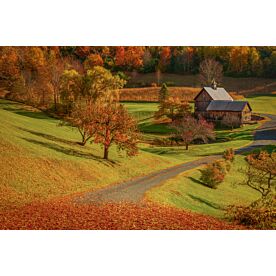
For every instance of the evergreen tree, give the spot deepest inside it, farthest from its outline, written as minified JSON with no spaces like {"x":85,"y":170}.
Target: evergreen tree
{"x":163,"y":93}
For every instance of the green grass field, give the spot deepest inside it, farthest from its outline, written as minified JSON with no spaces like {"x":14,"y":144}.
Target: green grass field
{"x":151,"y":130}
{"x":185,"y":191}
{"x":263,"y":103}
{"x":41,"y":160}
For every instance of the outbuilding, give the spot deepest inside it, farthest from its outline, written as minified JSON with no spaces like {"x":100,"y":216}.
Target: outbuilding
{"x":214,"y":103}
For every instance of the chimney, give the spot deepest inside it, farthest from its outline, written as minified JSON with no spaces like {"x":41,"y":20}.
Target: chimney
{"x":214,"y":84}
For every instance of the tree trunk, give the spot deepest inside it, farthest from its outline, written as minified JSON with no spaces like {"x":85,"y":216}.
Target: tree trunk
{"x":55,"y":101}
{"x":106,"y":153}
{"x":83,"y":142}
{"x":187,"y":146}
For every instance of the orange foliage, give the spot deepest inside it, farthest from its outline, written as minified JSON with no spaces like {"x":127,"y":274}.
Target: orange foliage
{"x":9,"y":63}
{"x":93,"y":60}
{"x":165,"y":58}
{"x":130,"y":56}
{"x":63,"y":215}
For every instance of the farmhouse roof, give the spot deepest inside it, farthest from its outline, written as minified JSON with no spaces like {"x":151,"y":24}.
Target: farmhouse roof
{"x":218,"y":94}
{"x":227,"y":106}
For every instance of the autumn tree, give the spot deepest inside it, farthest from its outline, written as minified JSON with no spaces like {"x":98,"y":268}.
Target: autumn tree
{"x":9,"y":65}
{"x":83,"y":118}
{"x":173,"y":108}
{"x":189,"y":129}
{"x":99,"y":83}
{"x":93,"y":60}
{"x":70,"y":88}
{"x":239,"y":60}
{"x":115,"y":126}
{"x":55,"y":67}
{"x":83,"y":94}
{"x":261,"y":173}
{"x":130,"y":57}
{"x":209,"y":71}
{"x":165,"y":58}
{"x":260,"y":176}
{"x":34,"y":71}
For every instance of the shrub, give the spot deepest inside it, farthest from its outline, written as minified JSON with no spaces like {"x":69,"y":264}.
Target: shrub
{"x":213,"y":174}
{"x":259,"y":215}
{"x":229,"y":155}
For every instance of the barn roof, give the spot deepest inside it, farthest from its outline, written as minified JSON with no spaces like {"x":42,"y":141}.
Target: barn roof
{"x":218,"y":94}
{"x":227,"y":106}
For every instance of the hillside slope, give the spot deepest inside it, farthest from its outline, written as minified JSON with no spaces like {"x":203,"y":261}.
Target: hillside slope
{"x":40,"y":160}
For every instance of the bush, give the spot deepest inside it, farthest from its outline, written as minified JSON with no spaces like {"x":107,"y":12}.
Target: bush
{"x":259,"y":215}
{"x":229,"y":155}
{"x":213,"y":174}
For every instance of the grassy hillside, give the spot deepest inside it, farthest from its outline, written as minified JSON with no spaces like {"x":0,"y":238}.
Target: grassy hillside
{"x":40,"y":160}
{"x":263,"y":103}
{"x":186,"y":192}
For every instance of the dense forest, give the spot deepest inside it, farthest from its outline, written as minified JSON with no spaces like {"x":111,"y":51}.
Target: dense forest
{"x":34,"y":73}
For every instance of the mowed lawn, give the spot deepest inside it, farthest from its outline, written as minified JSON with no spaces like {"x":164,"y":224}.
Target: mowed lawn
{"x":263,"y":103}
{"x":151,"y":130}
{"x":186,"y":192}
{"x":41,"y":160}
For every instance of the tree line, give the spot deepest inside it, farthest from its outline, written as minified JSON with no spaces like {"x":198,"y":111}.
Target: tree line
{"x":236,"y":60}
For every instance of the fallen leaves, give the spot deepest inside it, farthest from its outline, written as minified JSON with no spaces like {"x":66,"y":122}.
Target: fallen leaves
{"x":109,"y":216}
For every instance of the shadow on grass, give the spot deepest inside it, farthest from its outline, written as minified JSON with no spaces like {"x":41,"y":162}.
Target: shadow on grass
{"x":32,"y":114}
{"x":17,"y":109}
{"x":256,"y":149}
{"x":204,"y":201}
{"x":71,"y":152}
{"x":196,"y":181}
{"x":162,"y":151}
{"x":49,"y":137}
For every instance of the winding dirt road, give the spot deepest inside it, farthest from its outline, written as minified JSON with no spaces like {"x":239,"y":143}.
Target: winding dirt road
{"x":134,"y":190}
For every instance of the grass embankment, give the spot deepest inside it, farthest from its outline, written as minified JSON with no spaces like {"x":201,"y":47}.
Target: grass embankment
{"x":186,"y":192}
{"x":40,"y":160}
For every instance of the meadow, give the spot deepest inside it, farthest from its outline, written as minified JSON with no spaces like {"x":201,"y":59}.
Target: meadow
{"x":187,"y":192}
{"x":41,"y":160}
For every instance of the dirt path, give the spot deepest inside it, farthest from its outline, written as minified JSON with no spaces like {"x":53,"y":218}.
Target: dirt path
{"x":134,"y":190}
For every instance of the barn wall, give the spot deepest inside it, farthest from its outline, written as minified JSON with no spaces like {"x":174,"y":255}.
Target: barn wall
{"x":218,"y":115}
{"x":202,"y":101}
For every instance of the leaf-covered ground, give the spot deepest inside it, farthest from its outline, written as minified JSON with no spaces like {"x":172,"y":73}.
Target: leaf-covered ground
{"x":123,"y":216}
